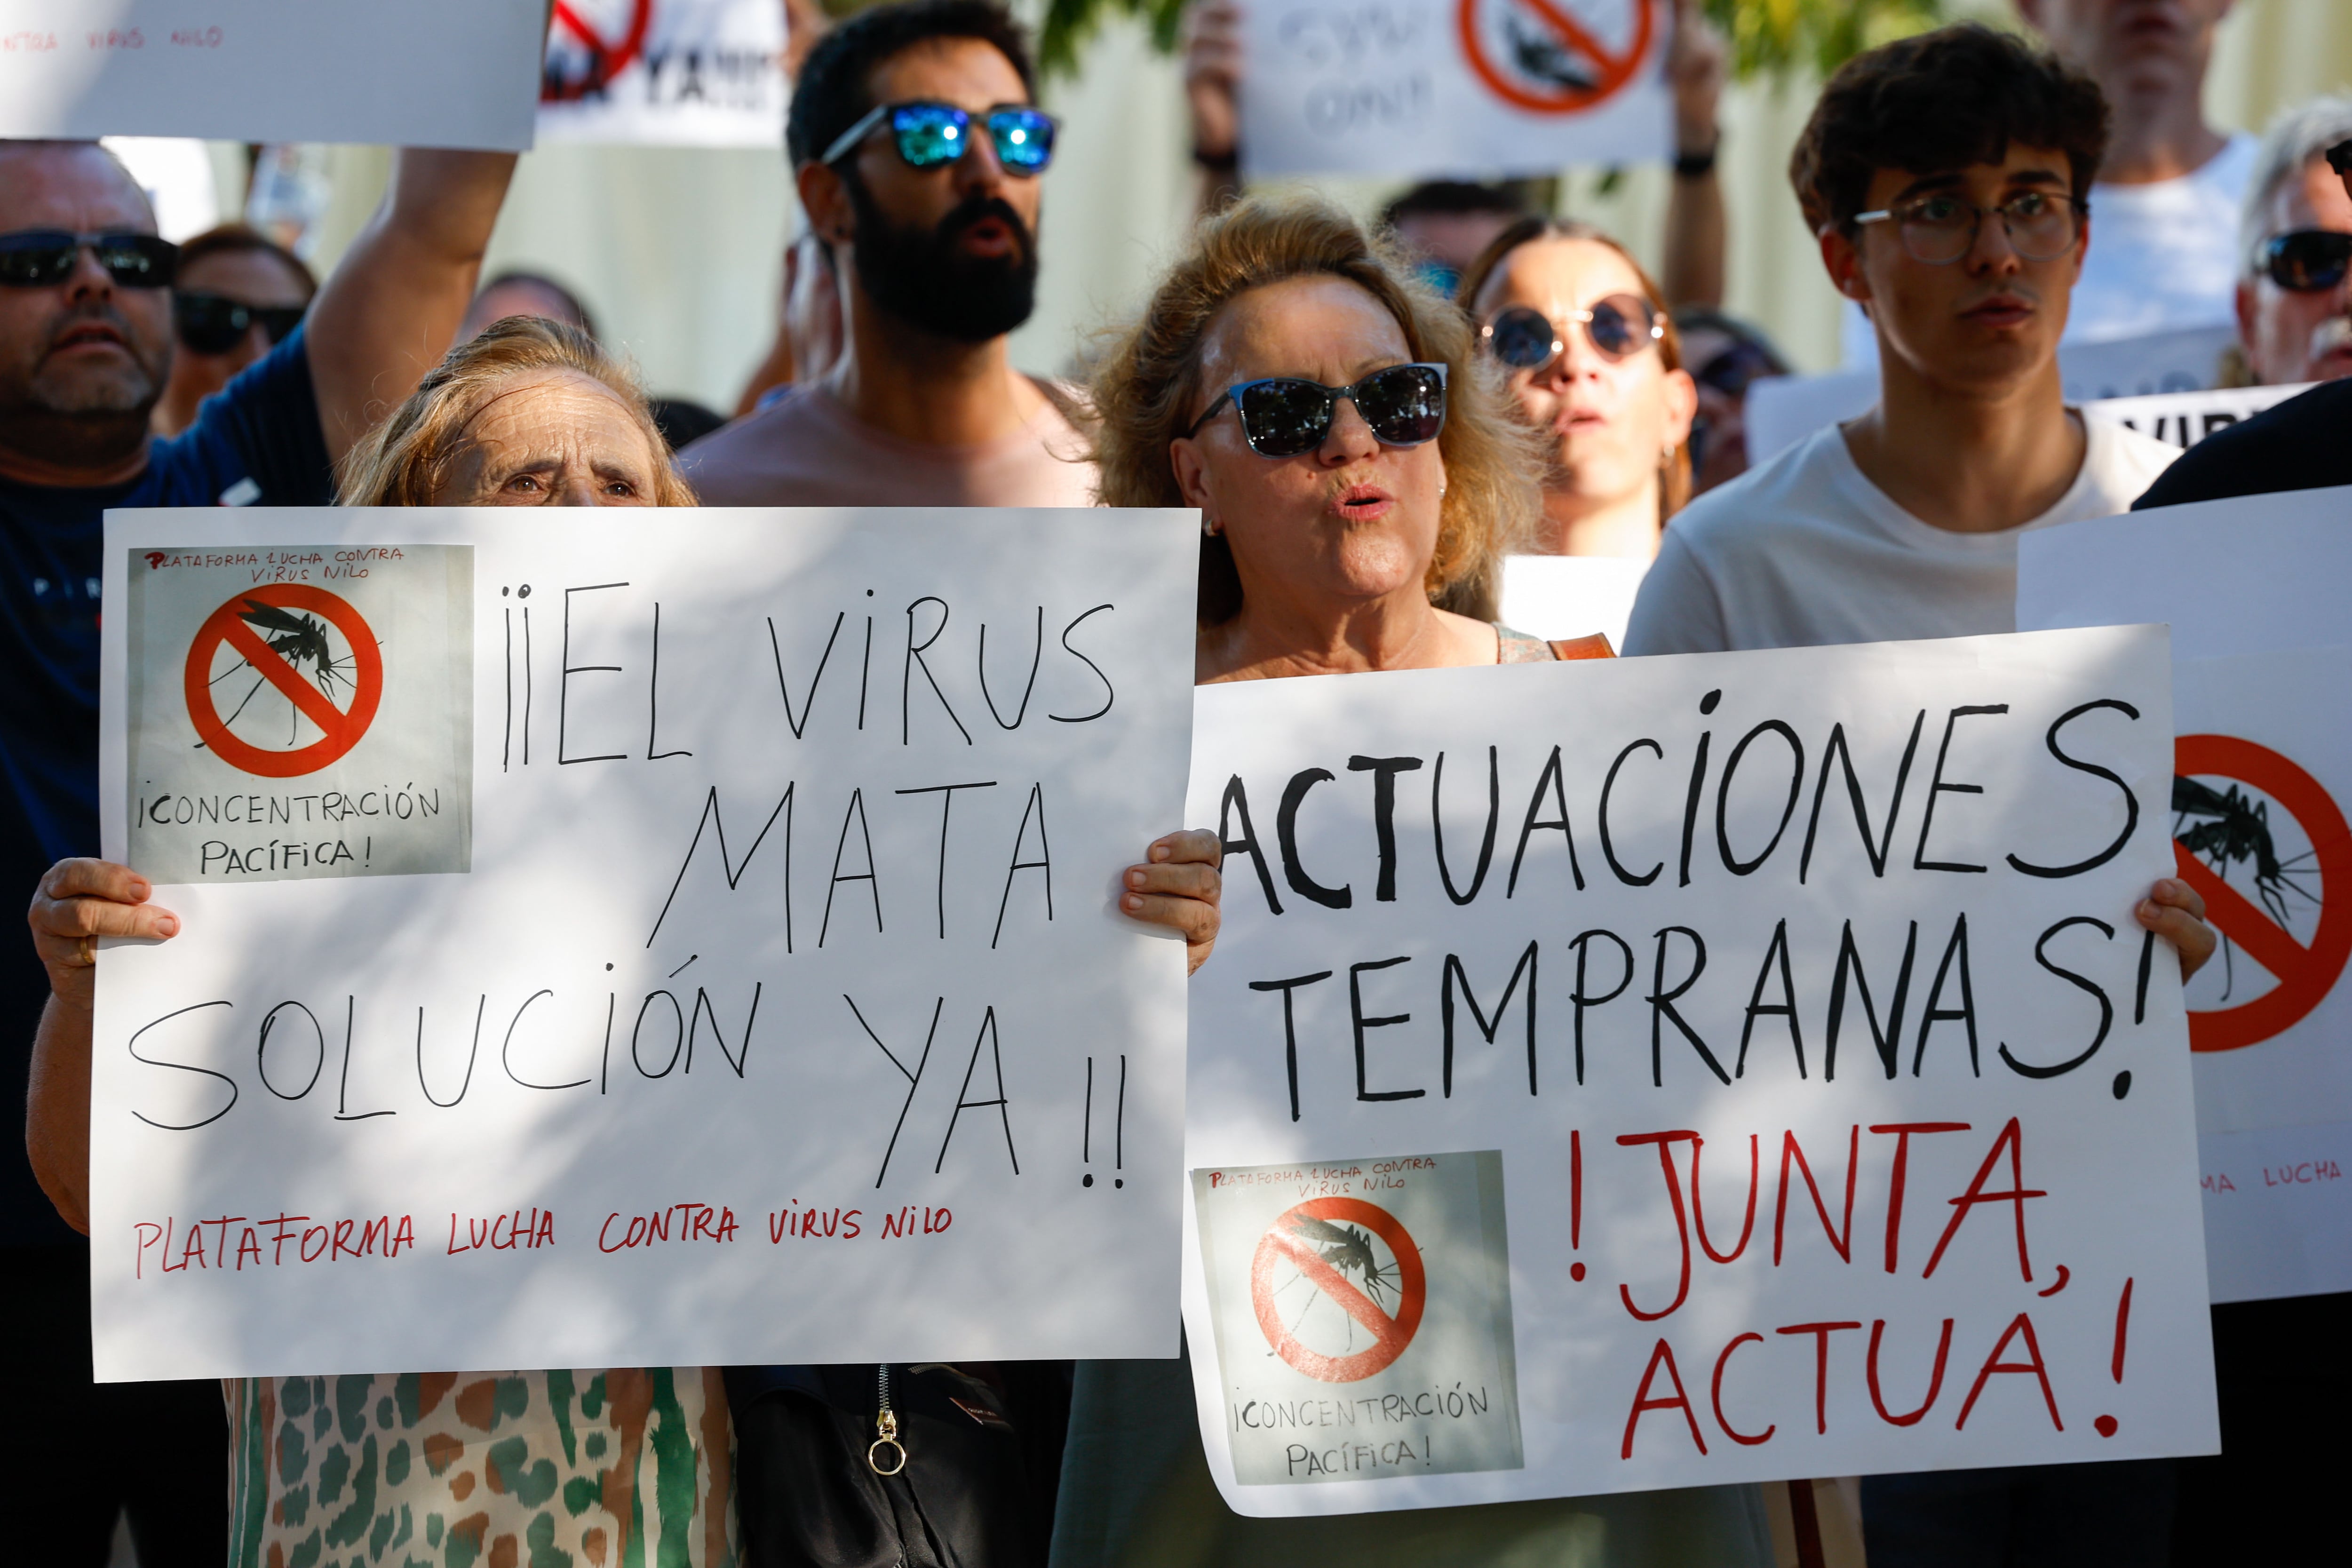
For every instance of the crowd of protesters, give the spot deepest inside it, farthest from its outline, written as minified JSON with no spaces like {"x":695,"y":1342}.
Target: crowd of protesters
{"x":1368,"y":420}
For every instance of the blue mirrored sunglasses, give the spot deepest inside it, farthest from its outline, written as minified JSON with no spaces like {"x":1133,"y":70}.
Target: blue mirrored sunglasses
{"x":930,"y":134}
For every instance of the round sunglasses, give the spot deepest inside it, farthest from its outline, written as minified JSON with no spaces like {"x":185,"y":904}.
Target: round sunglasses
{"x":2307,"y":261}
{"x":1618,"y":328}
{"x":1282,"y":416}
{"x":41,"y":258}
{"x":213,"y":323}
{"x":929,"y":134}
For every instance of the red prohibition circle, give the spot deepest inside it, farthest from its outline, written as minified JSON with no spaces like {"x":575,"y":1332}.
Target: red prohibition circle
{"x":342,"y":728}
{"x":1616,"y":70}
{"x":1390,"y":1335}
{"x":2304,"y":975}
{"x":606,"y":59}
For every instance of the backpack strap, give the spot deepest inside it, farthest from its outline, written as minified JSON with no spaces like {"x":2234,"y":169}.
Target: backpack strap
{"x":1593,"y":646}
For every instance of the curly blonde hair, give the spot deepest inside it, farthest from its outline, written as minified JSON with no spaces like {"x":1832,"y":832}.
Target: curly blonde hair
{"x":402,"y":460}
{"x":1146,"y":387}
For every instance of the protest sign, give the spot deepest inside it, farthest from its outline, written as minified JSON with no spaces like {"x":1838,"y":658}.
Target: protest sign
{"x":427,"y":73}
{"x":673,"y":73}
{"x":2253,"y":587}
{"x":1784,"y":410}
{"x":1571,"y":595}
{"x":2185,"y":418}
{"x":1461,"y":87}
{"x":638,"y":937}
{"x":1505,"y":951}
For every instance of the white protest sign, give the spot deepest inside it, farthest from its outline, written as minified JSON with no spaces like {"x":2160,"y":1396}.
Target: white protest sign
{"x":2253,"y":588}
{"x":1858,"y":919}
{"x":423,"y":73}
{"x":1784,"y":409}
{"x":2185,"y":418}
{"x":1407,"y":87}
{"x":1552,"y":596}
{"x":676,"y":73}
{"x":638,"y":937}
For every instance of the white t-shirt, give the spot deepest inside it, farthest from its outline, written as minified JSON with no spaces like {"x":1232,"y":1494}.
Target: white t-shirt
{"x":1806,"y":551}
{"x":2163,"y":257}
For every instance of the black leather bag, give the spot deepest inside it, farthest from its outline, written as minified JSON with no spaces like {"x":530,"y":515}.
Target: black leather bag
{"x":969,"y":1496}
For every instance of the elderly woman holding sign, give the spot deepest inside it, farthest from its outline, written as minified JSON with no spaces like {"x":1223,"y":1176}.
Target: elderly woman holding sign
{"x":596,"y":1464}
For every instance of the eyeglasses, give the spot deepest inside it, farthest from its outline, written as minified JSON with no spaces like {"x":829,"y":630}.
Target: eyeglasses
{"x":2308,"y":261}
{"x":1736,"y":368}
{"x":930,"y":134}
{"x":39,"y":257}
{"x":1617,"y":327}
{"x":2339,"y":157}
{"x":1940,"y":229}
{"x":214,"y":324}
{"x":1282,"y":416}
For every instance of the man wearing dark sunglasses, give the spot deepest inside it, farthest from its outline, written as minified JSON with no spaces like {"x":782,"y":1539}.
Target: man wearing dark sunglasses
{"x":918,"y":148}
{"x":86,"y":334}
{"x":2294,"y":290}
{"x":236,"y":295}
{"x":2300,"y":443}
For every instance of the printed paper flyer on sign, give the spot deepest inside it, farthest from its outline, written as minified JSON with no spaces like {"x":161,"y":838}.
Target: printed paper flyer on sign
{"x":1386,"y":1279}
{"x":255,"y":676}
{"x":1829,"y":1111}
{"x":423,"y":73}
{"x":1454,"y":86}
{"x":676,"y":73}
{"x":2253,"y":587}
{"x":661,"y":939}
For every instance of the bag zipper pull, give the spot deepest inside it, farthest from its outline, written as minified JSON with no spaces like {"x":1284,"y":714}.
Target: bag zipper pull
{"x":885,"y":1424}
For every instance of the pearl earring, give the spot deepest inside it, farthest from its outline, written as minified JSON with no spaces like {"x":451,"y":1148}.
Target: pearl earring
{"x":1208,"y":528}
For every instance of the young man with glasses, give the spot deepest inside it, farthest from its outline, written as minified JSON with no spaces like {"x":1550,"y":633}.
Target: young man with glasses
{"x":1941,"y":174}
{"x":917,"y":147}
{"x":86,"y":347}
{"x":2298,"y":444}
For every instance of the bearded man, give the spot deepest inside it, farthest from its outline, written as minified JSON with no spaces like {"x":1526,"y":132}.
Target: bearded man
{"x":916,"y":147}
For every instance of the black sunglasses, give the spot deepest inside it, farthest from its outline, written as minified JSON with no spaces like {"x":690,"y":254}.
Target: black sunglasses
{"x":1282,"y":416}
{"x":2339,"y":157}
{"x":39,"y":257}
{"x":2308,"y":260}
{"x":1620,"y":327}
{"x":214,"y":324}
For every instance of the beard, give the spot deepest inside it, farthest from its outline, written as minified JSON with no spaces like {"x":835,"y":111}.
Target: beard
{"x":91,"y":419}
{"x":920,"y":277}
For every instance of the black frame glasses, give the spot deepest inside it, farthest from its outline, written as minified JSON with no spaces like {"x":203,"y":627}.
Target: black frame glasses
{"x":215,"y":323}
{"x":44,"y":257}
{"x":2041,"y":225}
{"x":930,"y":135}
{"x":2307,"y":260}
{"x":1284,"y":415}
{"x":1618,"y":326}
{"x":2339,"y":157}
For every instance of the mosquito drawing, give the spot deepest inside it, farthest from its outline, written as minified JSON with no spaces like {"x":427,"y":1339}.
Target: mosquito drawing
{"x":1545,"y":60}
{"x":300,"y":640}
{"x":1349,"y":1251}
{"x":2234,"y":830}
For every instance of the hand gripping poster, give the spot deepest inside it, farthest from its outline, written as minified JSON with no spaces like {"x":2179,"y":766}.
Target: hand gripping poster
{"x":661,"y":938}
{"x":2260,"y":792}
{"x":1641,"y":1073}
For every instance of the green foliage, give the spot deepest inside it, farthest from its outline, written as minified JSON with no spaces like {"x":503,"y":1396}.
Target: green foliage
{"x":1772,"y":38}
{"x":1778,"y":38}
{"x":1069,"y":24}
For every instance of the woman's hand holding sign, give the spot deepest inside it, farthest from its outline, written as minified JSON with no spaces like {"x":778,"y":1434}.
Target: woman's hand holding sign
{"x":1177,"y":887}
{"x":2174,"y":911}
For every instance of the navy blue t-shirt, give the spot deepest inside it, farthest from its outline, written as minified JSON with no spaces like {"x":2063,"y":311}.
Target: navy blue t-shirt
{"x":258,"y":441}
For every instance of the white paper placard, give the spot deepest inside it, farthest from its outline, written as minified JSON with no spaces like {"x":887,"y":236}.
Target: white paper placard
{"x":773,"y":1006}
{"x":2254,"y":586}
{"x":1459,"y":87}
{"x":667,"y":73}
{"x":1553,"y":596}
{"x":1784,"y":409}
{"x":1451,"y":1236}
{"x":423,"y":73}
{"x":2185,"y":418}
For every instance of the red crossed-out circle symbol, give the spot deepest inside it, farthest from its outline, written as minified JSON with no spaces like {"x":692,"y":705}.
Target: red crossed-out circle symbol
{"x":2304,"y":975}
{"x":1556,"y":64}
{"x":341,"y":727}
{"x":1292,"y":1239}
{"x":606,"y":57}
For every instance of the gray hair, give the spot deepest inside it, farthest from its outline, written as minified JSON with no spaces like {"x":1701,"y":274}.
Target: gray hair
{"x":2296,"y":136}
